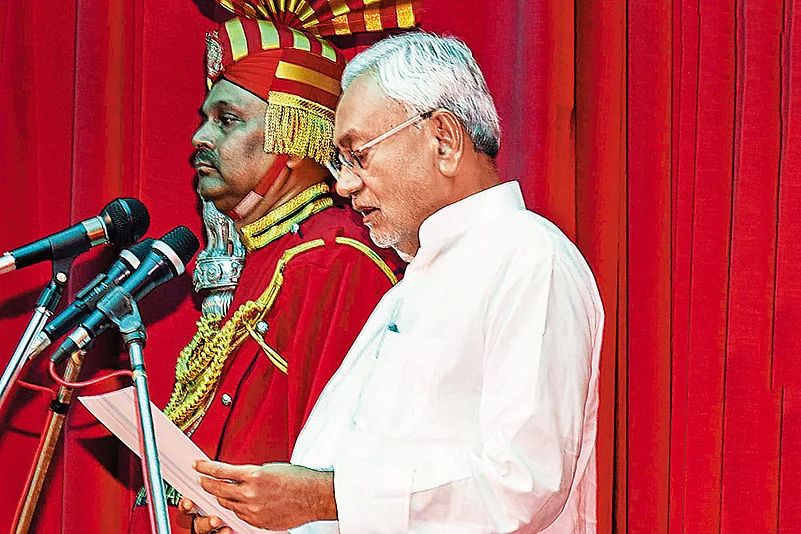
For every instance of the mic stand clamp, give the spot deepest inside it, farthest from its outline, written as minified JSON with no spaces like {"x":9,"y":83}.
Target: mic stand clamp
{"x":45,"y":306}
{"x":120,"y":307}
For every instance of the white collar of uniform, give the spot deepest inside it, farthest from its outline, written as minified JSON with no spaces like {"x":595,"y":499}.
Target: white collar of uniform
{"x":448,"y":223}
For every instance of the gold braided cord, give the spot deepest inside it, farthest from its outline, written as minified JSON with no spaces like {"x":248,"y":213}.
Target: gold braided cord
{"x":187,"y":370}
{"x":370,"y":253}
{"x":201,"y":363}
{"x":281,"y":212}
{"x":271,"y":353}
{"x":255,"y":242}
{"x":298,"y":127}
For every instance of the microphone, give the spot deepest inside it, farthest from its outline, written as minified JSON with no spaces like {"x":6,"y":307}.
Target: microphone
{"x":167,"y":259}
{"x":87,"y":298}
{"x":122,"y":222}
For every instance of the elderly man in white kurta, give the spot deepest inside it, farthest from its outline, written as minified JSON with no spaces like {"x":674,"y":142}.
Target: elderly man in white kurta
{"x":469,"y":402}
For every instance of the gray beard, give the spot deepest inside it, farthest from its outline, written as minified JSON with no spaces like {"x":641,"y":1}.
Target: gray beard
{"x":390,"y":240}
{"x":385,"y":240}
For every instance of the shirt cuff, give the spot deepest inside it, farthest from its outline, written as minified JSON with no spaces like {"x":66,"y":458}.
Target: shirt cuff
{"x":372,"y":495}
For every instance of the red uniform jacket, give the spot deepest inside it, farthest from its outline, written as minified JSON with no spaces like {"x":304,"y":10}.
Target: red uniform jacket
{"x":327,"y":295}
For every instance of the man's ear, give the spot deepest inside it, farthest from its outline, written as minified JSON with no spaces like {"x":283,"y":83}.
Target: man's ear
{"x":450,"y":136}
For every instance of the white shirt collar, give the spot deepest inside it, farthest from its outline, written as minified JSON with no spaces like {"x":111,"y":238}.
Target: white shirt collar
{"x":455,"y":219}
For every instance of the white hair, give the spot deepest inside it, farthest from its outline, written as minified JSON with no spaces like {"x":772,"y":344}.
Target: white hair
{"x":424,"y":71}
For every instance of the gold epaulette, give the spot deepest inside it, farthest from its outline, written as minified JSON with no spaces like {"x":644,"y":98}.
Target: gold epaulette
{"x":201,"y":362}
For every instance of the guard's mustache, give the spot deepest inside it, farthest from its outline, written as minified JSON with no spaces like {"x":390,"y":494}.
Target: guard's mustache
{"x":206,"y":157}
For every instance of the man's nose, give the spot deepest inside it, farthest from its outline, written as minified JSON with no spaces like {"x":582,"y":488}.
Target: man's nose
{"x":202,"y":138}
{"x":348,"y":182}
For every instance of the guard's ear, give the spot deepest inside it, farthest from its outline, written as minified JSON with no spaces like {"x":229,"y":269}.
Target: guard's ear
{"x":450,"y":136}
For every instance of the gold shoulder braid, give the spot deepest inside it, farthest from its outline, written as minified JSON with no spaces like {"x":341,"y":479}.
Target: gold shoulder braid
{"x":281,"y":220}
{"x":201,"y":363}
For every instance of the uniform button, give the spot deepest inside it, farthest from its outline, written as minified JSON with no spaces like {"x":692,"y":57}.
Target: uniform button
{"x":226,"y":399}
{"x":262,"y":327}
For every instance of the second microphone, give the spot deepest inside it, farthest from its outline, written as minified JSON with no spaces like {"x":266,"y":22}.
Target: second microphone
{"x":167,"y":259}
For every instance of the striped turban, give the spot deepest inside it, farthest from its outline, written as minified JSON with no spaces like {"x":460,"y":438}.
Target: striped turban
{"x":277,"y":50}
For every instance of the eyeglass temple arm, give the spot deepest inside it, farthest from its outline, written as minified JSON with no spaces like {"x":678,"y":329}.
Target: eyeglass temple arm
{"x":394,"y":130}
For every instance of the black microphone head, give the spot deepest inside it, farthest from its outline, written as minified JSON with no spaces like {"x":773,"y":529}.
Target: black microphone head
{"x":141,"y":249}
{"x":183,"y":242}
{"x":129,"y":220}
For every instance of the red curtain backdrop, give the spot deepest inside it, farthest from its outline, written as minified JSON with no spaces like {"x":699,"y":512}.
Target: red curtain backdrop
{"x":663,"y":137}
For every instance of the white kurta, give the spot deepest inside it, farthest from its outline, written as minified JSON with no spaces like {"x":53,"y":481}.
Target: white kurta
{"x":469,"y":402}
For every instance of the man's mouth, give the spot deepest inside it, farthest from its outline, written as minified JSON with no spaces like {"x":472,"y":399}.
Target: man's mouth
{"x":365,"y":212}
{"x":204,"y":165}
{"x":205,"y":168}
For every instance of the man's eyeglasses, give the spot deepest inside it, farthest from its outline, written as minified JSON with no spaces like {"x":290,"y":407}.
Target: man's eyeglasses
{"x":351,"y":158}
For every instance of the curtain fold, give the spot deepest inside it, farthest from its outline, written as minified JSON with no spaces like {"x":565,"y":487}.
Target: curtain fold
{"x":599,"y":208}
{"x":786,"y":343}
{"x":648,"y":151}
{"x":751,"y":405}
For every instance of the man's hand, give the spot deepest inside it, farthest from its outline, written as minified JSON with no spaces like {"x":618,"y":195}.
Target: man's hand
{"x":271,"y":496}
{"x":200,"y":524}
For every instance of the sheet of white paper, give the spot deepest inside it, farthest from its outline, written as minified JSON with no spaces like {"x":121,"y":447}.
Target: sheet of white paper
{"x":117,"y":412}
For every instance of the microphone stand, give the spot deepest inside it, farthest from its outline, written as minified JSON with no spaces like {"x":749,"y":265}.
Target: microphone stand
{"x":45,"y":307}
{"x":55,"y":425}
{"x":120,"y":307}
